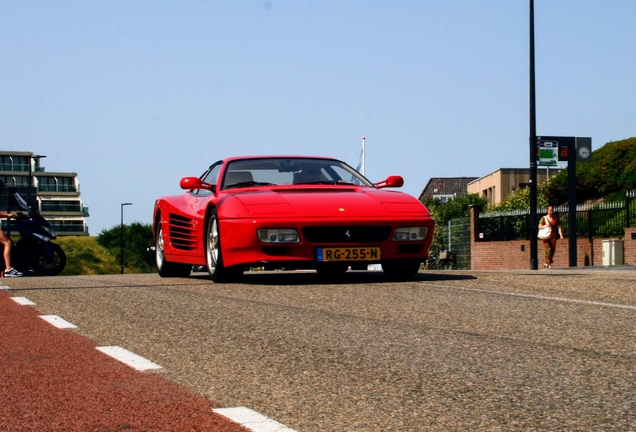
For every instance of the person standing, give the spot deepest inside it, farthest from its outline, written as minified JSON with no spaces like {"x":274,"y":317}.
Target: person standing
{"x":550,"y":243}
{"x":5,"y":241}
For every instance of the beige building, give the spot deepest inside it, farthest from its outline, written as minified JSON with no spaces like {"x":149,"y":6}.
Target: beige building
{"x":56,"y":194}
{"x":501,"y":183}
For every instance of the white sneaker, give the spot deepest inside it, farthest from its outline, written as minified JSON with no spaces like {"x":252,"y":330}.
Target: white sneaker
{"x":12,"y":273}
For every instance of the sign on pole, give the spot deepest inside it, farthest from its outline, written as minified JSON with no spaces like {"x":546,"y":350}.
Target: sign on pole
{"x":548,"y":152}
{"x":557,"y":144}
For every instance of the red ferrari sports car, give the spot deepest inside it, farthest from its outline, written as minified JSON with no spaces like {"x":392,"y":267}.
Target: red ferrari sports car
{"x":289,"y":212}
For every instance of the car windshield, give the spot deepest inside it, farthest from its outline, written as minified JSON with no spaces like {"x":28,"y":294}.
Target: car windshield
{"x":290,"y":171}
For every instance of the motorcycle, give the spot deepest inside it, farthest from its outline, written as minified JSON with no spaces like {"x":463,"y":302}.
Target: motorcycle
{"x":34,"y":252}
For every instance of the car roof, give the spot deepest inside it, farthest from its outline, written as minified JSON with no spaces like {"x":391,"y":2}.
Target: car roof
{"x":233,"y":158}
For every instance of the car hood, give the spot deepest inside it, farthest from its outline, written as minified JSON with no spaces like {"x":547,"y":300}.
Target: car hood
{"x":330,"y":202}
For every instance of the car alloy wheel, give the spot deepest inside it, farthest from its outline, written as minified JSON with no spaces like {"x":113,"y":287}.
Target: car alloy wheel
{"x":159,"y":256}
{"x":213,"y":246}
{"x":214,"y":256}
{"x":166,"y":268}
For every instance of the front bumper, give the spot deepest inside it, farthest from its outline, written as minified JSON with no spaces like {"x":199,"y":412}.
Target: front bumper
{"x":241,"y":246}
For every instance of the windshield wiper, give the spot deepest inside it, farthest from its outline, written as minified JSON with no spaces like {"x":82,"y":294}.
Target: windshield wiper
{"x":317,"y":182}
{"x":249,"y":183}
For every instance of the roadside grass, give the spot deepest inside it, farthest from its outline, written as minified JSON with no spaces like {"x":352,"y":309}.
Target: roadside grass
{"x":85,"y":256}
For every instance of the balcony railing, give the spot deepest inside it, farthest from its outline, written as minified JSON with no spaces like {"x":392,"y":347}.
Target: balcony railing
{"x":59,"y":227}
{"x":14,"y":167}
{"x":69,"y":226}
{"x":55,"y":207}
{"x":17,"y":185}
{"x":57,"y":188}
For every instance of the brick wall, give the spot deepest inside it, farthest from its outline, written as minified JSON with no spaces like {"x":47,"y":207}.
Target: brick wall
{"x":629,"y":249}
{"x":515,"y":254}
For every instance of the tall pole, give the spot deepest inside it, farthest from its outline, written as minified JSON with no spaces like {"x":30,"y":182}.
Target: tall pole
{"x":572,"y":203}
{"x":532,"y":229}
{"x":121,"y":243}
{"x":363,"y":155}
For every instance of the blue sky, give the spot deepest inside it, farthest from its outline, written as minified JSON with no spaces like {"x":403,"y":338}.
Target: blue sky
{"x":134,"y":95}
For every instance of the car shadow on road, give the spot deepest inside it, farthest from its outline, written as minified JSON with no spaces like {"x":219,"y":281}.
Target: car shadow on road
{"x":350,"y":277}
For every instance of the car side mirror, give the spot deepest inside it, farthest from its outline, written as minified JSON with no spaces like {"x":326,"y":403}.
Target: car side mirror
{"x":391,"y":181}
{"x":189,"y":183}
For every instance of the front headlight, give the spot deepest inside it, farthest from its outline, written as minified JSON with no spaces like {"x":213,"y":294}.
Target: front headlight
{"x":410,"y":233}
{"x":51,"y":232}
{"x":278,"y":235}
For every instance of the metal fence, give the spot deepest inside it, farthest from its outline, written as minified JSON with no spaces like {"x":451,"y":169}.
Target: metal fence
{"x":454,"y":236}
{"x":604,"y":220}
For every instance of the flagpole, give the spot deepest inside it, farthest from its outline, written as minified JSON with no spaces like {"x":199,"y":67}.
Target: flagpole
{"x":363,"y":155}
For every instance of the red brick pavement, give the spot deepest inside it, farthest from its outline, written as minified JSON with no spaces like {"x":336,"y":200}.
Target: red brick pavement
{"x":55,"y":380}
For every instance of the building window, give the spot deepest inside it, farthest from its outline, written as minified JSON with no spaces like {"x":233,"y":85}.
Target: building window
{"x":66,"y":226}
{"x":57,"y":184}
{"x":444,"y":198}
{"x":14,"y":163}
{"x":15,"y":181}
{"x":61,"y":206}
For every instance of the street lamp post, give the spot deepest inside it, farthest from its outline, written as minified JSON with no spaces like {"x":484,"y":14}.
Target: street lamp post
{"x":532,"y":229}
{"x":122,"y":235}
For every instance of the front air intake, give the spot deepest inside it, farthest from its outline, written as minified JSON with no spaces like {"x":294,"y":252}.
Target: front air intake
{"x":347,"y":234}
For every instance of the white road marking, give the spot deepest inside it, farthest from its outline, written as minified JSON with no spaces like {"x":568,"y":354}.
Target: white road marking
{"x":540,"y":297}
{"x":252,"y":420}
{"x":131,"y":359}
{"x":5,"y":288}
{"x":23,"y":301}
{"x":57,"y":321}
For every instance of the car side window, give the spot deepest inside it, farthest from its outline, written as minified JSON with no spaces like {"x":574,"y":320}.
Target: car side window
{"x":211,"y":177}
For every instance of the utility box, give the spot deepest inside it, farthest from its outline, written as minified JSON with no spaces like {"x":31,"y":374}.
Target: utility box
{"x":612,"y":252}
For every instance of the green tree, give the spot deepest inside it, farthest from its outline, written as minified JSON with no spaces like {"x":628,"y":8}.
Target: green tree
{"x":454,"y":209}
{"x":445,"y":212}
{"x":137,"y":241}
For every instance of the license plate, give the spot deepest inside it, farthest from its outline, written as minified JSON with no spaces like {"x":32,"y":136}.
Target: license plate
{"x":348,"y":254}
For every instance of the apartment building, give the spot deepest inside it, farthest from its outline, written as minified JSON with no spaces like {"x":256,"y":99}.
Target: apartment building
{"x":498,"y":185}
{"x":56,"y":194}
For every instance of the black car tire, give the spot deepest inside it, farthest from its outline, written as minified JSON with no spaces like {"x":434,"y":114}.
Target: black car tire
{"x":401,"y":269}
{"x":213,"y":255}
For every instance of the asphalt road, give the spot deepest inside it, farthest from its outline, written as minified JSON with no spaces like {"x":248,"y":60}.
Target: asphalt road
{"x":515,"y":350}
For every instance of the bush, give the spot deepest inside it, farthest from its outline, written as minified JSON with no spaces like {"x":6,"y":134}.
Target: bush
{"x":138,"y":255}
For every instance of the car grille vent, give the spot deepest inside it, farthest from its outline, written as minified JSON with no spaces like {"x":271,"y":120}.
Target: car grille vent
{"x":182,"y":235}
{"x":411,"y":248}
{"x":347,"y":234}
{"x":275,"y":251}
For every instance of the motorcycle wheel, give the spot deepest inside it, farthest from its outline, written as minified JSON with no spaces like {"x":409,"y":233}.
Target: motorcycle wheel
{"x":46,"y":266}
